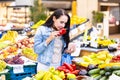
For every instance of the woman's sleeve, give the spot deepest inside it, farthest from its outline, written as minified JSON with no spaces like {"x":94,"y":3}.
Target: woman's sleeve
{"x":39,"y":44}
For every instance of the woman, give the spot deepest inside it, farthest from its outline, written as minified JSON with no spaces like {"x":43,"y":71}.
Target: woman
{"x":48,"y":44}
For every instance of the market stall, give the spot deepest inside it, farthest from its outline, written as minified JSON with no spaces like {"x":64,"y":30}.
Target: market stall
{"x":96,"y":57}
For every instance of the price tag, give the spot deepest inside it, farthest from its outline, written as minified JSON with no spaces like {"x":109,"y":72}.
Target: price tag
{"x":77,"y":51}
{"x":74,"y":31}
{"x":94,"y":44}
{"x":82,"y":27}
{"x":18,"y":69}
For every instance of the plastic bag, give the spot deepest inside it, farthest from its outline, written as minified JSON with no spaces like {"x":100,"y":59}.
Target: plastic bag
{"x":66,"y":58}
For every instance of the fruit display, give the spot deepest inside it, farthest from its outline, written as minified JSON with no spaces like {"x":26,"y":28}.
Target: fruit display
{"x":2,"y":65}
{"x":26,"y":42}
{"x":51,"y":74}
{"x":68,"y":68}
{"x":96,"y":58}
{"x":105,"y":42}
{"x":116,"y":59}
{"x":100,"y":73}
{"x":9,"y":36}
{"x":100,"y":43}
{"x":99,"y":65}
{"x":8,"y":51}
{"x":14,"y":60}
{"x":4,"y":44}
{"x":78,"y":20}
{"x":11,"y":49}
{"x":29,"y":53}
{"x":54,"y":74}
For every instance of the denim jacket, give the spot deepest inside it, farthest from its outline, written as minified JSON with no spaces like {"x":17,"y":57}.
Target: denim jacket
{"x":43,"y":50}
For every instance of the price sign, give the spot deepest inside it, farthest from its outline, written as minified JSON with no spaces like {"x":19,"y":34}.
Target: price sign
{"x":18,"y":69}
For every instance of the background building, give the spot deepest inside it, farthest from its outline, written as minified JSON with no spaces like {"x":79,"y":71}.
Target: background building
{"x":18,"y":10}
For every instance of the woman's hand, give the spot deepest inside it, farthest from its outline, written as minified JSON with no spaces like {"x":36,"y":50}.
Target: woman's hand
{"x":71,"y":48}
{"x":52,"y":36}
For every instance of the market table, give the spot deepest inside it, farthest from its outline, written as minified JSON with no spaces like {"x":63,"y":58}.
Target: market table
{"x":88,"y":50}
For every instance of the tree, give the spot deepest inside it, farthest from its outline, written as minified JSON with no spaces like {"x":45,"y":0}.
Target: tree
{"x":97,"y":17}
{"x":38,"y":12}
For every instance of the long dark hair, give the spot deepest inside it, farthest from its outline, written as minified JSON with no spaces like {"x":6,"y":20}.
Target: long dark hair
{"x":58,"y":13}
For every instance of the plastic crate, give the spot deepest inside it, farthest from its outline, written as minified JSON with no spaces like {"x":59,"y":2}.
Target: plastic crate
{"x":29,"y":71}
{"x":1,"y":35}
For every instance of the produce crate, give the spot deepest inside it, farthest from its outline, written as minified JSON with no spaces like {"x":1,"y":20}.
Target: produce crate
{"x":28,"y":71}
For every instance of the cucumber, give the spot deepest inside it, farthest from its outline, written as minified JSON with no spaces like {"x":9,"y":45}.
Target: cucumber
{"x":98,"y":77}
{"x":117,"y":72}
{"x":115,"y":67}
{"x":108,"y":73}
{"x":94,"y":71}
{"x":102,"y":72}
{"x":108,"y":68}
{"x":103,"y":78}
{"x":94,"y":75}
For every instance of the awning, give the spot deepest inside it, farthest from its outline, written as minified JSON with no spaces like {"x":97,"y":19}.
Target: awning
{"x":7,"y":0}
{"x":109,"y":1}
{"x":57,"y":4}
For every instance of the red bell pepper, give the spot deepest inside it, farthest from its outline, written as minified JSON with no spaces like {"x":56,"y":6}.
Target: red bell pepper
{"x":73,"y":66}
{"x":76,"y":72}
{"x":60,"y":68}
{"x":62,"y":31}
{"x":66,"y":70}
{"x":68,"y":66}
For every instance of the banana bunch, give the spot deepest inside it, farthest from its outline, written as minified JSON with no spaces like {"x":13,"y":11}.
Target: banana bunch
{"x":29,"y":53}
{"x":2,"y":65}
{"x":35,"y":26}
{"x":9,"y":36}
{"x":105,"y":42}
{"x":78,"y":20}
{"x":96,"y":58}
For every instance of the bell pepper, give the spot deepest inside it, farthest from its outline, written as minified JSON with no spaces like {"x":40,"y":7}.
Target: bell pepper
{"x":56,"y":77}
{"x":66,"y":70}
{"x":62,"y":31}
{"x":47,"y":75}
{"x":62,"y":74}
{"x":76,"y":72}
{"x":68,"y":66}
{"x":39,"y":75}
{"x":52,"y":69}
{"x":60,"y":68}
{"x":73,"y":66}
{"x":71,"y":76}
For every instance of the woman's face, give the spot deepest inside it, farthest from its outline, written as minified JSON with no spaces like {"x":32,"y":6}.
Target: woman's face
{"x":60,"y":22}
